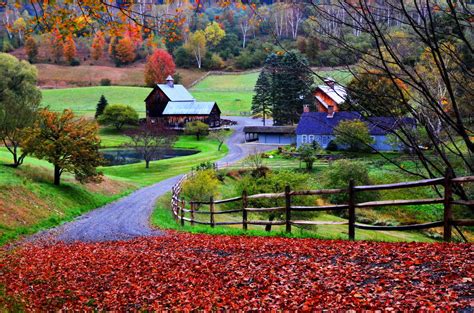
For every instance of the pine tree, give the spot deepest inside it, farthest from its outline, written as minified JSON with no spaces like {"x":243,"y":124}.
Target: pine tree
{"x":262,"y":100}
{"x":101,"y":105}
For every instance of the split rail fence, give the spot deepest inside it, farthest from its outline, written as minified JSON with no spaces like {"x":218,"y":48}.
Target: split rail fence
{"x":187,"y":212}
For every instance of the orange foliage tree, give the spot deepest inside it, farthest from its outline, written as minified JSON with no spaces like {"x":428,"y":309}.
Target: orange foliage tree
{"x":70,"y":144}
{"x":31,"y":49}
{"x":122,"y":51}
{"x":158,"y":66}
{"x":98,"y":44}
{"x":56,"y":45}
{"x":69,"y":49}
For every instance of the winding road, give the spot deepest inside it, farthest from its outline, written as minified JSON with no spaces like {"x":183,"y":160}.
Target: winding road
{"x":129,"y":217}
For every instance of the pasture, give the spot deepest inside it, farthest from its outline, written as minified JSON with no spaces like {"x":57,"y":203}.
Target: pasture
{"x":233,"y":93}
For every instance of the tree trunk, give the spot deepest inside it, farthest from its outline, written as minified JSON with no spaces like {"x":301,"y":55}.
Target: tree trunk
{"x":57,"y":175}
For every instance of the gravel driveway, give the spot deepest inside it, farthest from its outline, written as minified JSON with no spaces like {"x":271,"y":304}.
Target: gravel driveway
{"x":129,"y":217}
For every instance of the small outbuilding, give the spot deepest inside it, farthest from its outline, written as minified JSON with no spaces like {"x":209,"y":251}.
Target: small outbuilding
{"x":175,"y":106}
{"x":281,"y":135}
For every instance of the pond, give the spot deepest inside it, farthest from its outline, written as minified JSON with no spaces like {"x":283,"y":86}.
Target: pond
{"x":122,"y":156}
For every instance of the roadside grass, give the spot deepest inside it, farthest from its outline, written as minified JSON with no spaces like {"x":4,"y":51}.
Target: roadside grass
{"x":162,"y":218}
{"x":163,"y":169}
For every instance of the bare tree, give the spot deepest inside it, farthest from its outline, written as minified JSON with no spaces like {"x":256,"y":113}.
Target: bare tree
{"x":150,"y":141}
{"x":438,"y":82}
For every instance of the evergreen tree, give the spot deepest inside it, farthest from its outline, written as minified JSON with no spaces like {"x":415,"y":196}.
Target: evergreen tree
{"x":262,"y":100}
{"x":101,"y":105}
{"x":290,"y":87}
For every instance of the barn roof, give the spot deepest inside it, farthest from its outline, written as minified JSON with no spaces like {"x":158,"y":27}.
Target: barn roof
{"x":176,"y":93}
{"x":188,"y":108}
{"x":318,"y":123}
{"x":338,"y":94}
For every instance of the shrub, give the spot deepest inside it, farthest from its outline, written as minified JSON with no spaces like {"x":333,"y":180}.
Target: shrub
{"x":340,"y":173}
{"x":105,"y":82}
{"x":332,"y":146}
{"x":201,"y":186}
{"x":75,"y":62}
{"x":119,"y":115}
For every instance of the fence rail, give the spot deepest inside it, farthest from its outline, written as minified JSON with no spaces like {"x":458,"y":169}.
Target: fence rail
{"x":449,"y":182}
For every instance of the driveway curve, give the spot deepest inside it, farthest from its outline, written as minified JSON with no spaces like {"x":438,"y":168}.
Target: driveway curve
{"x":129,"y":217}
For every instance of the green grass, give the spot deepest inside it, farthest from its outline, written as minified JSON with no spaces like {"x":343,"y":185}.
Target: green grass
{"x":83,"y":101}
{"x":163,"y":169}
{"x":233,"y":93}
{"x":162,"y":218}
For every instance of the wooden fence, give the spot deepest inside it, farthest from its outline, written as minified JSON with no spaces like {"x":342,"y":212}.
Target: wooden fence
{"x":186,"y":212}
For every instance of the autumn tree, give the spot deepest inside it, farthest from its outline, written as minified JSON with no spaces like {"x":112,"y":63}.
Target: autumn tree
{"x":196,"y":45}
{"x":56,"y":45}
{"x":122,"y":51}
{"x":69,"y":49}
{"x":353,"y":134}
{"x":31,"y":49}
{"x":196,"y":128}
{"x":374,"y":93}
{"x":150,"y":141}
{"x":214,"y":33}
{"x":119,"y":115}
{"x":70,"y":144}
{"x":19,"y":102}
{"x":98,"y":45}
{"x":158,"y":66}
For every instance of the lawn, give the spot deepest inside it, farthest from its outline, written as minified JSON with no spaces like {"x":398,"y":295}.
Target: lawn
{"x":163,"y":169}
{"x":233,"y":93}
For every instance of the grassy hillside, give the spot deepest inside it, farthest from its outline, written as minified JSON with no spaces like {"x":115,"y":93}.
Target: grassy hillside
{"x":233,"y":93}
{"x":29,"y":201}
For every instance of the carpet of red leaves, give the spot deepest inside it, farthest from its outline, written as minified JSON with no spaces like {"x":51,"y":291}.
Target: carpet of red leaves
{"x":184,"y":271}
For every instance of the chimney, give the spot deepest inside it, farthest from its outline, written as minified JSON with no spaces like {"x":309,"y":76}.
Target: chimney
{"x":330,"y":82}
{"x":330,"y":111}
{"x":170,"y":81}
{"x":305,"y":108}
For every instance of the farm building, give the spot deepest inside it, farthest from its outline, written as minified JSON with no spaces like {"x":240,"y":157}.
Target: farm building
{"x":175,"y":106}
{"x":319,"y":127}
{"x":329,"y":97}
{"x":281,"y":135}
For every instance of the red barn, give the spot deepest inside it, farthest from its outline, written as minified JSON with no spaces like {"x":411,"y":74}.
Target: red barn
{"x":330,"y":96}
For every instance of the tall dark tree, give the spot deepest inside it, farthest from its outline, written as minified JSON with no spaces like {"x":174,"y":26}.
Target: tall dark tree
{"x":101,"y":105}
{"x":292,"y":82}
{"x":262,"y":99}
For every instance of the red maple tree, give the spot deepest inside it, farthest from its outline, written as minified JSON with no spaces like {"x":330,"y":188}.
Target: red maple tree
{"x":158,"y":66}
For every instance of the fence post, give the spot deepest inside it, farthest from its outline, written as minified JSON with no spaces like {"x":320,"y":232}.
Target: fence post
{"x":182,"y":213}
{"x":244,"y":211}
{"x":211,"y":209}
{"x":288,"y":208}
{"x":448,"y":213}
{"x":351,"y":210}
{"x":192,"y":213}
